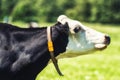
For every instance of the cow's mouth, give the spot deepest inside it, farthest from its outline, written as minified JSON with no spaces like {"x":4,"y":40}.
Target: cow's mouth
{"x":103,"y":45}
{"x":100,"y":46}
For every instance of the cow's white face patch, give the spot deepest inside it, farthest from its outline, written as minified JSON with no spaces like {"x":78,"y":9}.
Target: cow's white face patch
{"x":83,"y":39}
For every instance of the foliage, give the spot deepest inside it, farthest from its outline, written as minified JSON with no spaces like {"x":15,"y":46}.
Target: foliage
{"x":104,"y":11}
{"x":6,"y":6}
{"x":25,"y":11}
{"x":52,"y":11}
{"x":109,"y":11}
{"x":0,"y":9}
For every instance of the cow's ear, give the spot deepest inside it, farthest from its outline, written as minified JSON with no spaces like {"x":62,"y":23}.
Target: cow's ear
{"x":66,"y":24}
{"x":58,"y":23}
{"x":62,"y":19}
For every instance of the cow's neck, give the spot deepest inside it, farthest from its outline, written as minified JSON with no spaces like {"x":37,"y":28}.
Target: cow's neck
{"x":35,"y":48}
{"x":59,"y":37}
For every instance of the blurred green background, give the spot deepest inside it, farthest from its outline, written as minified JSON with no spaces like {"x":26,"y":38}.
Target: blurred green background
{"x":102,"y":15}
{"x":103,"y":11}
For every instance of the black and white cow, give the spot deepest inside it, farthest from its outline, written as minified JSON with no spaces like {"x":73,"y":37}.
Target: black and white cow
{"x":24,"y":51}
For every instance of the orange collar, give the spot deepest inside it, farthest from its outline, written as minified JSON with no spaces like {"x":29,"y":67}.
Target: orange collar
{"x":50,"y":43}
{"x":51,"y":50}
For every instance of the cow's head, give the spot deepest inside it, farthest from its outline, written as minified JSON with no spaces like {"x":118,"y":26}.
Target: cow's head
{"x":83,"y":39}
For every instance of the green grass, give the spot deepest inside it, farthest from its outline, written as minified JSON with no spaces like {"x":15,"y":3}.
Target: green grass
{"x":25,"y":25}
{"x":102,"y":65}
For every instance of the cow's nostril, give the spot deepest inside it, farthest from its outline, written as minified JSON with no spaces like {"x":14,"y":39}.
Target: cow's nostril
{"x":107,"y":40}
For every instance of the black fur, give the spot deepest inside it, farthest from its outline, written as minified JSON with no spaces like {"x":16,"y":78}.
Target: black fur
{"x":24,"y":52}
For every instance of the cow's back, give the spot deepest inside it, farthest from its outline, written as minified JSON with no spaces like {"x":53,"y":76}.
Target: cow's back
{"x":7,"y":55}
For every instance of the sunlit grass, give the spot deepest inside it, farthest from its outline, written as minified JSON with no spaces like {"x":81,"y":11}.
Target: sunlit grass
{"x":90,"y":67}
{"x":102,"y":65}
{"x":25,"y":24}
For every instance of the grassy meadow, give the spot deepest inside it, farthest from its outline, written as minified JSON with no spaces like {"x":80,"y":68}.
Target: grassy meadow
{"x":102,"y":65}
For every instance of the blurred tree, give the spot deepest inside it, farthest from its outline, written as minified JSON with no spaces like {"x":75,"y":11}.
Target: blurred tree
{"x":50,"y":10}
{"x":0,"y":8}
{"x":109,"y":11}
{"x":104,"y":11}
{"x":53,"y":13}
{"x":115,"y":8}
{"x":86,"y":10}
{"x":7,"y":6}
{"x":68,"y":4}
{"x":82,"y":11}
{"x":69,"y":8}
{"x":25,"y":11}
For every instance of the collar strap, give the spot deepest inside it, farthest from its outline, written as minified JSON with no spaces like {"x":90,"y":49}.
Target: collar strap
{"x":51,"y":50}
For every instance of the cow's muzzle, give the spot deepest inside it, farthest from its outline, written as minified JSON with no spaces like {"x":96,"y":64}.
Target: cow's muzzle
{"x":103,"y":45}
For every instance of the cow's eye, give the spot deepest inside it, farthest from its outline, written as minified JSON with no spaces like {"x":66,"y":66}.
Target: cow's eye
{"x":77,"y":29}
